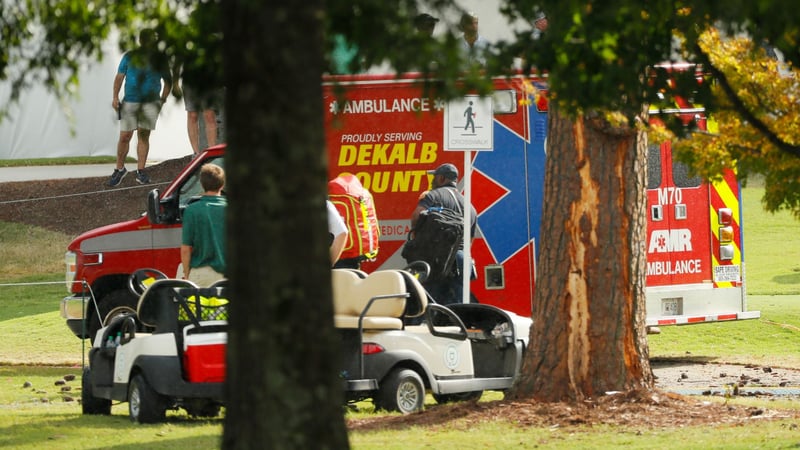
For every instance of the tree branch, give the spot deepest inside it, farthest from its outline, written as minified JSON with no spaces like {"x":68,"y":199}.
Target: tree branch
{"x":742,"y":109}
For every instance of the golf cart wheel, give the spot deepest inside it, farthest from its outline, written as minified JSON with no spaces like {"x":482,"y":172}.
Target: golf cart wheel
{"x":145,"y":405}
{"x":460,"y":397}
{"x":402,"y":390}
{"x":89,"y":403}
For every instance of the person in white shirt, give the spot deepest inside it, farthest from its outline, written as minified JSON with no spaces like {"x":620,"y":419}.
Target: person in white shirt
{"x":338,"y":232}
{"x":474,"y":46}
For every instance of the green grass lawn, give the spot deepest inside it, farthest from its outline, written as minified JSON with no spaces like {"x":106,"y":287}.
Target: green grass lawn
{"x":36,"y":413}
{"x":771,"y":247}
{"x":38,"y":416}
{"x":59,"y":161}
{"x":771,"y":340}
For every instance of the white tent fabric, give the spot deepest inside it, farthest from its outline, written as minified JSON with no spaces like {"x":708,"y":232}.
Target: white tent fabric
{"x":39,"y":127}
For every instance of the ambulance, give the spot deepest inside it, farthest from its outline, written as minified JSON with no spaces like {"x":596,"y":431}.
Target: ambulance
{"x":695,"y":252}
{"x":387,"y":132}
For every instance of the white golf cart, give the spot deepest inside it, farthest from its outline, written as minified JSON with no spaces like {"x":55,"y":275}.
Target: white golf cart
{"x":409,"y":344}
{"x":396,"y":344}
{"x":180,"y":363}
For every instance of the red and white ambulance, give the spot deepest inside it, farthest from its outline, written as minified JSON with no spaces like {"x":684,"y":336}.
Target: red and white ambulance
{"x":388,"y":133}
{"x":695,"y":256}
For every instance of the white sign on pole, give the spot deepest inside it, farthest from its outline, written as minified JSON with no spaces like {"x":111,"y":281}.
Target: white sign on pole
{"x":468,"y":124}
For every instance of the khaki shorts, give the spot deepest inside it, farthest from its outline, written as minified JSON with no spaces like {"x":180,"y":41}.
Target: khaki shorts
{"x":202,"y":276}
{"x":196,"y":103}
{"x":139,"y":115}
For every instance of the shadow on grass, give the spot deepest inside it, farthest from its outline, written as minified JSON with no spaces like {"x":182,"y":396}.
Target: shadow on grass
{"x":187,"y":442}
{"x":688,"y":359}
{"x":791,"y":278}
{"x":74,"y":430}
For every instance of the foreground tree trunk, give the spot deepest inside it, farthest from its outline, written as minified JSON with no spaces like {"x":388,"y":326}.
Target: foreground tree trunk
{"x":588,"y":334}
{"x":282,"y":390}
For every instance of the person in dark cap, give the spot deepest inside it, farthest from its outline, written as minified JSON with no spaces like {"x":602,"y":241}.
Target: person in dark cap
{"x":445,"y":194}
{"x":447,"y":170}
{"x":425,"y":24}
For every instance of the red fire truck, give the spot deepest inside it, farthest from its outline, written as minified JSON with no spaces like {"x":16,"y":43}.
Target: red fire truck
{"x":385,"y":131}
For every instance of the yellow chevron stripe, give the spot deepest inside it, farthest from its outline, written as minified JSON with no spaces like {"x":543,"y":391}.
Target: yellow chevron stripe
{"x":731,"y":201}
{"x":728,"y":197}
{"x":737,"y":253}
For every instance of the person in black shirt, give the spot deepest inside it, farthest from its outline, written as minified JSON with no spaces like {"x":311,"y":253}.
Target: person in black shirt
{"x":445,"y":194}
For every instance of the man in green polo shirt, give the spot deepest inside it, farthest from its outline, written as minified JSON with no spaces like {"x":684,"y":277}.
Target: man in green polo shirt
{"x":203,"y":237}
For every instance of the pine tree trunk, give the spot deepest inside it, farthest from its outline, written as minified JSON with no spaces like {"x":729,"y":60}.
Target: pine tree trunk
{"x":588,"y":334}
{"x":282,"y":390}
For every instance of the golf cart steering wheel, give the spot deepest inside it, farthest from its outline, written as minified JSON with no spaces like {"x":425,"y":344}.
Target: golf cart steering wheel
{"x":420,"y":269}
{"x":142,"y":278}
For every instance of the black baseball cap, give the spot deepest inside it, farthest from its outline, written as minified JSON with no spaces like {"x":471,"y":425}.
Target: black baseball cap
{"x":446,"y":170}
{"x":425,"y":18}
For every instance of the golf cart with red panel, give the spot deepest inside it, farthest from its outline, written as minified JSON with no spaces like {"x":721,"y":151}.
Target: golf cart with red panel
{"x":179,"y":362}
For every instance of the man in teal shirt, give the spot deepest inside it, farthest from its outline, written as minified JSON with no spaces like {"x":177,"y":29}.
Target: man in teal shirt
{"x":142,"y":71}
{"x":203,"y":237}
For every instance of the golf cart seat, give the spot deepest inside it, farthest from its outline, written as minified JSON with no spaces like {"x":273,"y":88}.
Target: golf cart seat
{"x":168,"y":305}
{"x":157,"y":307}
{"x":417,"y":301}
{"x":375,"y":302}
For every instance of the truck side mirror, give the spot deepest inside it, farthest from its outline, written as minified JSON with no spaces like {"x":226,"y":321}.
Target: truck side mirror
{"x":154,"y":207}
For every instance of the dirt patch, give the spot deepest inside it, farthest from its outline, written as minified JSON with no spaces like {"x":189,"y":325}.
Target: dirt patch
{"x":648,"y":410}
{"x":665,"y":407}
{"x":693,"y":377}
{"x":73,"y":206}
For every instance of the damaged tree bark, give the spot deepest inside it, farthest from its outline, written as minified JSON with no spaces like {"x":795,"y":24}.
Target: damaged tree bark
{"x":588,"y":335}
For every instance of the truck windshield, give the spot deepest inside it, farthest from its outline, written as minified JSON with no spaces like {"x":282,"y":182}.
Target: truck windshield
{"x":191,"y":189}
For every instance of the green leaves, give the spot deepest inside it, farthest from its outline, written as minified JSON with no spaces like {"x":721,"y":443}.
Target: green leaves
{"x":756,"y":123}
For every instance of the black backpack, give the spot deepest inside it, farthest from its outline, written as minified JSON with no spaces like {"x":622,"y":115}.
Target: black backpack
{"x":435,"y":239}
